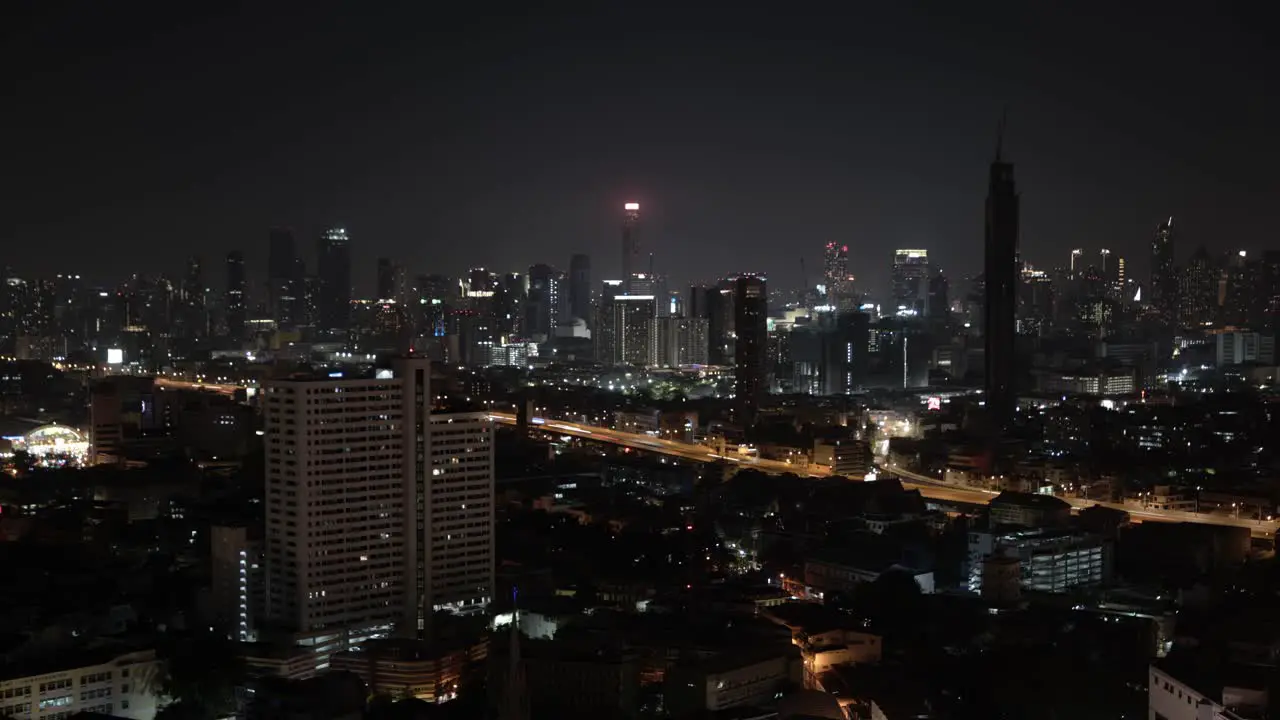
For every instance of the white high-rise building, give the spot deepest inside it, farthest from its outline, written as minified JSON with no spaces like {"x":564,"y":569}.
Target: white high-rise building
{"x":457,"y":541}
{"x":362,"y":478}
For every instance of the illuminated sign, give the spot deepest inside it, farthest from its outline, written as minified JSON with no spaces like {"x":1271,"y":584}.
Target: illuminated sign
{"x":631,"y":206}
{"x":115,"y":356}
{"x":935,"y":403}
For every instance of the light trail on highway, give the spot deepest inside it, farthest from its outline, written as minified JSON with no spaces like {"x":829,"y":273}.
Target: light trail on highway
{"x":929,"y":487}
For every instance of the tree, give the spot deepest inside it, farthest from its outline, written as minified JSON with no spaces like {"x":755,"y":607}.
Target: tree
{"x":201,"y":672}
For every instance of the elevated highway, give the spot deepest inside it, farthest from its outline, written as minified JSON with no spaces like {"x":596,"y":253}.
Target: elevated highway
{"x":930,"y":487}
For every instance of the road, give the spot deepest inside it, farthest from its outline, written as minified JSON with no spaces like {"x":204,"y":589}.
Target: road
{"x":176,"y":384}
{"x":930,"y":487}
{"x":1262,"y":528}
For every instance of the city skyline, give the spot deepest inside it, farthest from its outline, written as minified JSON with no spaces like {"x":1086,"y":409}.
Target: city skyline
{"x":487,"y":189}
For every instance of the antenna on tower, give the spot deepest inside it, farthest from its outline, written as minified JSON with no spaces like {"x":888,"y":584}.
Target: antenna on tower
{"x":1004,"y":119}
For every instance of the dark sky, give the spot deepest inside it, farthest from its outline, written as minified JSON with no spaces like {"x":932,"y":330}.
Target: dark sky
{"x":137,"y":134}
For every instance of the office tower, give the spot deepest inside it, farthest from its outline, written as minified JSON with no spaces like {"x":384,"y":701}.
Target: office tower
{"x":333,"y":267}
{"x":648,"y":283}
{"x":835,"y":274}
{"x":853,"y":342}
{"x":194,"y":315}
{"x":236,"y":304}
{"x":1163,"y":288}
{"x":447,"y":465}
{"x":1267,"y":301}
{"x":605,"y":331}
{"x":580,"y":287}
{"x":542,"y":306}
{"x":510,"y":297}
{"x":696,"y":304}
{"x":630,"y":243}
{"x":390,"y":280}
{"x":1237,"y":286}
{"x":1198,"y":290}
{"x":284,"y":279}
{"x":750,"y":326}
{"x":432,"y":298}
{"x":477,"y":316}
{"x":1001,"y":292}
{"x":309,"y":302}
{"x":937,"y":307}
{"x":633,"y":323}
{"x":1036,"y":298}
{"x":401,"y":526}
{"x":720,"y":323}
{"x":678,"y":341}
{"x":910,"y":274}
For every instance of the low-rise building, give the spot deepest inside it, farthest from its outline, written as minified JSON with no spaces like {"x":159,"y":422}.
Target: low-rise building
{"x":1028,"y":510}
{"x":102,"y":680}
{"x":730,"y":680}
{"x":836,"y":572}
{"x":1179,"y":688}
{"x":412,"y":668}
{"x":1048,"y":560}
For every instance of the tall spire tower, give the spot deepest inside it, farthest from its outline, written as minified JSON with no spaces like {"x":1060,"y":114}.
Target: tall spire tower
{"x":1001,"y":275}
{"x":630,"y":243}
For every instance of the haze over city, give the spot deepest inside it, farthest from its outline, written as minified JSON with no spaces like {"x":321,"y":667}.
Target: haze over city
{"x":452,"y":139}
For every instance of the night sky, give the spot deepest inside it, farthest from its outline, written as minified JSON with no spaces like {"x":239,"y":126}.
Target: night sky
{"x":137,"y":134}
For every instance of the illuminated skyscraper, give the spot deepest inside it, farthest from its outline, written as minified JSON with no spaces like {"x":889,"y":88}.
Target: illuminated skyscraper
{"x":402,"y":527}
{"x":1001,"y":291}
{"x":633,"y":320}
{"x":910,"y":280}
{"x":750,"y":324}
{"x":1198,"y":290}
{"x":835,"y":274}
{"x":333,"y":264}
{"x":630,"y":243}
{"x":236,"y":303}
{"x":1163,"y":289}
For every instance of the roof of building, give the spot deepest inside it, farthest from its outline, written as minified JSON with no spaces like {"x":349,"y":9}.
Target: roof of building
{"x":1199,"y":671}
{"x":1034,"y":501}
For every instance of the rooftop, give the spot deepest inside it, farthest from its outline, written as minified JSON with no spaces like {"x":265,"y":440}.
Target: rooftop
{"x":1034,"y":501}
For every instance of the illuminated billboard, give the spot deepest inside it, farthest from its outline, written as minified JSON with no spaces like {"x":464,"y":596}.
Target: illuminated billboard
{"x":115,"y":356}
{"x":935,"y":403}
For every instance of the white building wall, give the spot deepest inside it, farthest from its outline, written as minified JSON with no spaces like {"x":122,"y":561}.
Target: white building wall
{"x":124,"y":686}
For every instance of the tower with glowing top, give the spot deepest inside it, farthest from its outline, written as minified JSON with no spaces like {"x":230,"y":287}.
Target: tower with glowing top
{"x":630,"y":243}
